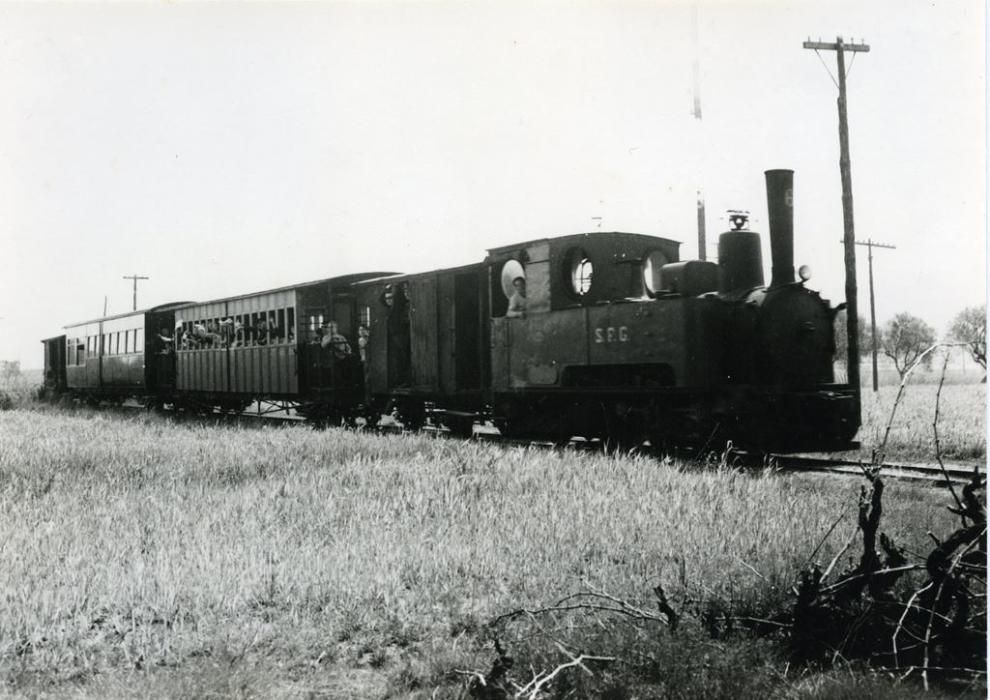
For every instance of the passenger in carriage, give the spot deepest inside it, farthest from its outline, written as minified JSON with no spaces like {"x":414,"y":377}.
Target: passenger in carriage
{"x":239,"y":334}
{"x":165,"y":342}
{"x":261,"y":330}
{"x":226,"y":332}
{"x":189,"y":340}
{"x":204,"y":337}
{"x":363,"y":336}
{"x":335,"y":341}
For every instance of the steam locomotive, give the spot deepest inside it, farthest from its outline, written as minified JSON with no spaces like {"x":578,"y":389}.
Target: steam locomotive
{"x":619,"y":340}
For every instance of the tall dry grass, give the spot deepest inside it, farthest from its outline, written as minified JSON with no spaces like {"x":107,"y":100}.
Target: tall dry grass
{"x":361,"y":564}
{"x":961,"y":427}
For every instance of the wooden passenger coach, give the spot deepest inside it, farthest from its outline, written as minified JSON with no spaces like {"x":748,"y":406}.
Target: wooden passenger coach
{"x":117,"y":355}
{"x":266,"y":345}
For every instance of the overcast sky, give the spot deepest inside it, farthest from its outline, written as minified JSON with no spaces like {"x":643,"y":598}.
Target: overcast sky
{"x":227,"y":148}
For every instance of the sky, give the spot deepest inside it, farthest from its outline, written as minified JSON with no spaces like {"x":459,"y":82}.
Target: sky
{"x":220,"y":148}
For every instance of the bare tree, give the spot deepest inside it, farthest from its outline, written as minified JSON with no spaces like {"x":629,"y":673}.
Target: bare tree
{"x":842,"y":337}
{"x":970,"y":327}
{"x":905,"y":339}
{"x":10,"y":371}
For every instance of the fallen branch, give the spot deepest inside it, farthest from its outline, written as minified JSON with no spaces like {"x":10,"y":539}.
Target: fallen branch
{"x":532,"y":690}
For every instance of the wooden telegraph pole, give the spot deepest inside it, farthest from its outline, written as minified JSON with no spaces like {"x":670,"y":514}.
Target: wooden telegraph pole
{"x":135,"y":278}
{"x":849,"y":238}
{"x":696,"y":111}
{"x":870,"y":245}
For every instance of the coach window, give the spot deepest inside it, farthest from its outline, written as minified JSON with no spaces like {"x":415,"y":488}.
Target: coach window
{"x":290,"y":325}
{"x":314,"y":321}
{"x":280,"y":325}
{"x":139,"y":340}
{"x":579,"y":271}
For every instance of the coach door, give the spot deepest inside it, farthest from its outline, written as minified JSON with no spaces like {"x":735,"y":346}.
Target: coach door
{"x":423,"y":319}
{"x":316,"y":374}
{"x":467,"y":331}
{"x":159,"y":344}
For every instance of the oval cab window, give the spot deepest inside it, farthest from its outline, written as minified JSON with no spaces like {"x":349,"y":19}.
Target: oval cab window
{"x":580,"y":271}
{"x":652,"y":264}
{"x":510,"y":271}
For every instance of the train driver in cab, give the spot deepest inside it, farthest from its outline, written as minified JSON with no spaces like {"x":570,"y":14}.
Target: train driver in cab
{"x":517,"y":302}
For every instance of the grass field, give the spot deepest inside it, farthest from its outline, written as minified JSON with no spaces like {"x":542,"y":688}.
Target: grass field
{"x":148,"y":557}
{"x":961,"y":424}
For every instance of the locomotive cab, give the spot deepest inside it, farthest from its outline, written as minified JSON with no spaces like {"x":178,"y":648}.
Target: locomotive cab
{"x":601,"y":334}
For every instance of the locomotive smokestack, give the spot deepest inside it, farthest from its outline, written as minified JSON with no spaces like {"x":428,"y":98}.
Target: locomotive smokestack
{"x":780,"y":206}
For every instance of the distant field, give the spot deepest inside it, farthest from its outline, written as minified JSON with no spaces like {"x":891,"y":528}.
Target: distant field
{"x":148,"y":557}
{"x":961,"y":424}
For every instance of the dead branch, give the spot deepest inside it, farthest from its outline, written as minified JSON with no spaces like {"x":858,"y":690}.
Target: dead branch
{"x":938,"y":444}
{"x":672,"y":617}
{"x":532,"y":690}
{"x":881,"y":453}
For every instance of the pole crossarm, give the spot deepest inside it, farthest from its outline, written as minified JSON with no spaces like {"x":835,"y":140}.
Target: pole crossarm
{"x":872,"y":244}
{"x":833,"y":46}
{"x":135,"y":278}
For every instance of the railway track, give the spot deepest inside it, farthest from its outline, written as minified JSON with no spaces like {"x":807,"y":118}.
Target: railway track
{"x":928,"y":473}
{"x":933,"y":474}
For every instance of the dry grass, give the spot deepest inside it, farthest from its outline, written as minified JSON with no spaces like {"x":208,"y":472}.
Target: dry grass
{"x":145,"y":556}
{"x":962,"y":422}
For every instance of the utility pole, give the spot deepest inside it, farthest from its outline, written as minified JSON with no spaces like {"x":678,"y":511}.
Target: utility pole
{"x":849,"y":238}
{"x":870,"y":245}
{"x":135,"y":278}
{"x":696,"y":111}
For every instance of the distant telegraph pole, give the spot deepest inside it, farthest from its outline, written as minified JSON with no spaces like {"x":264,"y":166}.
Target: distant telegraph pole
{"x":696,"y":111}
{"x":135,"y":278}
{"x":871,"y":244}
{"x":849,"y":238}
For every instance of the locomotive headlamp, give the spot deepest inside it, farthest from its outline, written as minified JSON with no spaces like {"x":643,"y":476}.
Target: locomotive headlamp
{"x":738,"y":219}
{"x":804,"y":272}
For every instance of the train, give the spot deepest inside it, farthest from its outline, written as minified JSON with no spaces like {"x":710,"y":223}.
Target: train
{"x":605,"y":336}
